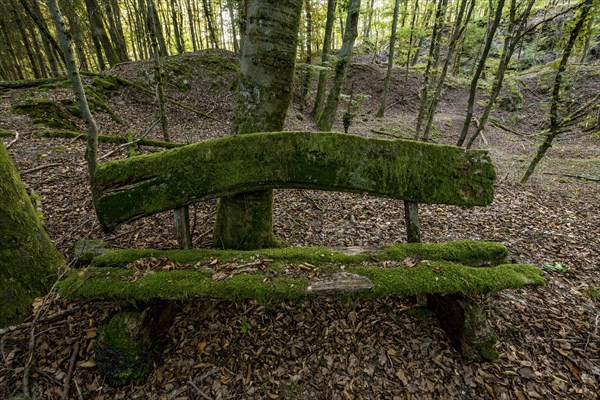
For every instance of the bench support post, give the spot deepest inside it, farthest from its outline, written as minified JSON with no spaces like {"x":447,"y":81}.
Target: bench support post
{"x":465,"y":323}
{"x":131,"y":343}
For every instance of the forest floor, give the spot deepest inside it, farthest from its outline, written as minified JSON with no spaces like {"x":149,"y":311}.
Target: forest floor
{"x":331,"y":348}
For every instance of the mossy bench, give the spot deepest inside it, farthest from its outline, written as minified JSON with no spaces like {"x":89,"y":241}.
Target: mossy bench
{"x":154,"y":280}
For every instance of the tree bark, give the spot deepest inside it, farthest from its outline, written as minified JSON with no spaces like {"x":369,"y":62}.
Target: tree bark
{"x":327,"y":117}
{"x":65,"y":40}
{"x":321,"y":85}
{"x":390,"y":65}
{"x":556,"y":91}
{"x":265,"y":90}
{"x":29,"y":261}
{"x":480,"y":66}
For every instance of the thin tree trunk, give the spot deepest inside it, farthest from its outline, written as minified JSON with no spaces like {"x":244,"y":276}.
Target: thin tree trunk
{"x":24,"y":39}
{"x":98,"y":31}
{"x":115,"y":29}
{"x":193,"y":37}
{"x":325,"y":121}
{"x":66,"y":43}
{"x":48,"y":41}
{"x":410,"y":45}
{"x":390,"y":65}
{"x":367,"y":31}
{"x":432,"y":61}
{"x":245,"y":221}
{"x":480,"y":66}
{"x":234,"y":24}
{"x":176,"y":29}
{"x":516,"y":27}
{"x":555,"y":122}
{"x":208,"y":14}
{"x":308,"y":56}
{"x":321,"y":84}
{"x":456,"y":34}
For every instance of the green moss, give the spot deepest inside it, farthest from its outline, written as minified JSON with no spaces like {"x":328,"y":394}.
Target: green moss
{"x":470,"y":252}
{"x":445,"y":277}
{"x":106,"y":83}
{"x":45,"y":112}
{"x":432,"y":277}
{"x":4,"y":133}
{"x":28,"y":259}
{"x":121,"y":355}
{"x":114,"y":283}
{"x":402,"y":169}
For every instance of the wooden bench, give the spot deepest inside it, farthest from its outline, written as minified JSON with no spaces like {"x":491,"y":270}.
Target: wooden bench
{"x":153,"y":280}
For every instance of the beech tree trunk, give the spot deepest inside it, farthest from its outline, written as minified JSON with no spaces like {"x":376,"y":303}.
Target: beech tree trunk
{"x":245,"y":221}
{"x":327,"y":117}
{"x":390,"y":65}
{"x":28,"y":260}
{"x":321,"y":85}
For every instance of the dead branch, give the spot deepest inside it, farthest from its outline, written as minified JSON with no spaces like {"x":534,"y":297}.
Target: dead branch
{"x":585,"y":178}
{"x":13,"y":141}
{"x":69,"y":376}
{"x":38,"y":168}
{"x":26,"y":325}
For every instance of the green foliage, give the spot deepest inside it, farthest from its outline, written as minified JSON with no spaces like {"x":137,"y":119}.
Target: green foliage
{"x":594,"y":292}
{"x":556,"y":267}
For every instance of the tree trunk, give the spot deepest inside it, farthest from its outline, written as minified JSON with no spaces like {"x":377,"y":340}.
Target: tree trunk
{"x":516,"y":27}
{"x":322,"y":83}
{"x":208,"y":14}
{"x":99,"y":32}
{"x":115,"y":29}
{"x":325,"y":121}
{"x":29,"y":261}
{"x":175,"y":12}
{"x":308,"y":58}
{"x":65,"y":40}
{"x":244,"y":221}
{"x":367,"y":31}
{"x":432,"y":61}
{"x":456,"y":34}
{"x":480,"y":66}
{"x":193,"y":36}
{"x":390,"y":65}
{"x":556,"y":90}
{"x":234,"y":25}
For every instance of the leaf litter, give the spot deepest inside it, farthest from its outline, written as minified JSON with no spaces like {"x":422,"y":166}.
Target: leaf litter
{"x":334,"y":348}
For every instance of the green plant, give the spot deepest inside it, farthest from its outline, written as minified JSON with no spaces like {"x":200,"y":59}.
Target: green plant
{"x":594,"y":292}
{"x":556,"y":267}
{"x":245,"y":324}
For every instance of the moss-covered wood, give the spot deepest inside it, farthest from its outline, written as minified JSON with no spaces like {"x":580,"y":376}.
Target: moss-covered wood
{"x":468,"y":252}
{"x":292,"y":282}
{"x":403,"y":169}
{"x":28,"y":259}
{"x":466,"y":324}
{"x":45,"y":112}
{"x":131,"y":343}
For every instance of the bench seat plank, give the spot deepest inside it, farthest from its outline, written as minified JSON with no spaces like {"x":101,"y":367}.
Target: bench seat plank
{"x":295,"y":282}
{"x":129,"y":189}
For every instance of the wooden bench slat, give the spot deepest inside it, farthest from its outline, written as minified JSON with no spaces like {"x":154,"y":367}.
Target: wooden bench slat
{"x":420,"y":172}
{"x":435,"y":277}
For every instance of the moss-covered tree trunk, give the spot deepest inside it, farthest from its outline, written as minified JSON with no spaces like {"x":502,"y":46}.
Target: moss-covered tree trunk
{"x":245,"y":221}
{"x":28,"y":259}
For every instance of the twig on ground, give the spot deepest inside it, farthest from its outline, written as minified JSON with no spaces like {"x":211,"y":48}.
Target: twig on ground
{"x":70,"y":370}
{"x":26,"y":325}
{"x":13,"y":141}
{"x":585,"y":178}
{"x":38,"y":168}
{"x":197,"y":389}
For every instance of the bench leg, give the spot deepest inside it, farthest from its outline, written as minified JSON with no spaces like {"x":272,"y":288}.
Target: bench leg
{"x":465,"y":323}
{"x":131,"y":343}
